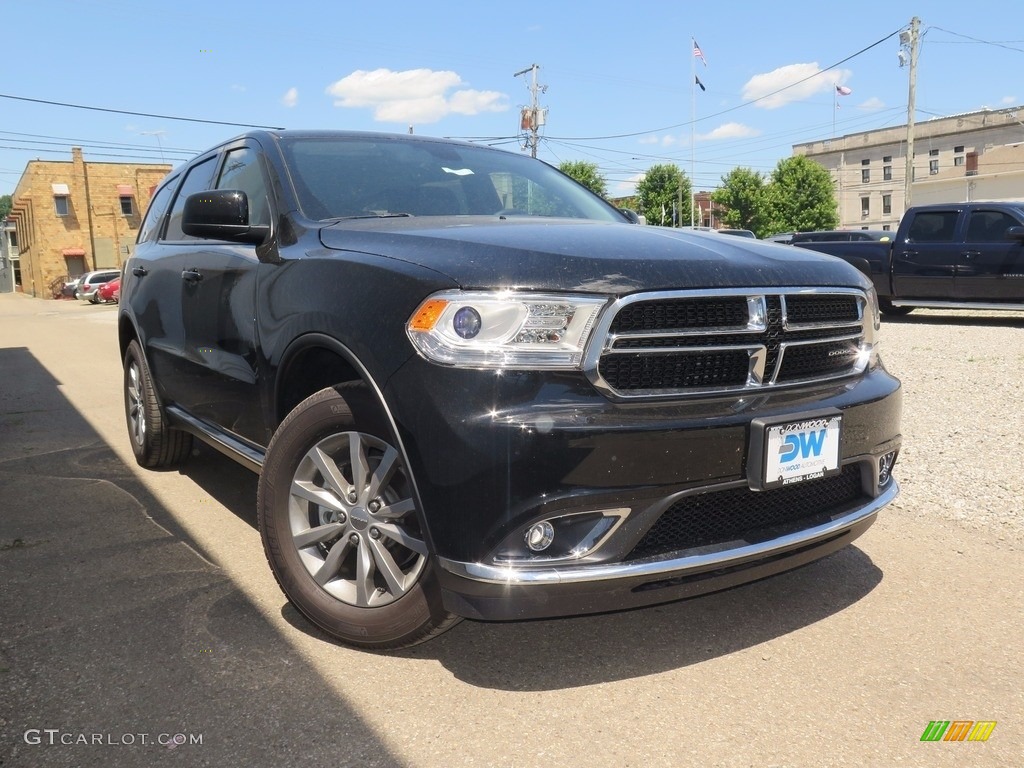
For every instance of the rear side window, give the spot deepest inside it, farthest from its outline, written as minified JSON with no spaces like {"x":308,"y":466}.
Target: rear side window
{"x":933,"y":227}
{"x":199,"y":179}
{"x":155,"y":214}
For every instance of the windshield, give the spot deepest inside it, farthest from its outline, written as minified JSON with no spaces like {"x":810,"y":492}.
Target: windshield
{"x":395,"y":176}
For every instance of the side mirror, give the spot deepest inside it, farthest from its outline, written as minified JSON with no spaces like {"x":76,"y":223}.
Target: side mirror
{"x":632,"y":216}
{"x":221,"y":214}
{"x":1015,"y":233}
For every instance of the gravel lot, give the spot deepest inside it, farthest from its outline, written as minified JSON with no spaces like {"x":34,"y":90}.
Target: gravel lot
{"x":963,"y":427}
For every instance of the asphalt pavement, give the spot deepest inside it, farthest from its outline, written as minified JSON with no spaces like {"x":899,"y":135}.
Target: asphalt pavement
{"x":140,"y":626}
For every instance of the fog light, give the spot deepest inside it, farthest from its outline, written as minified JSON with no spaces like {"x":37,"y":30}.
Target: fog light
{"x":885,"y":465}
{"x":540,"y":536}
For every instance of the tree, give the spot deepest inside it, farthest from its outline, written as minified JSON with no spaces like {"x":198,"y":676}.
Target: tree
{"x":5,"y":206}
{"x":800,"y":197}
{"x":659,"y":192}
{"x":742,"y":201}
{"x":586,"y":174}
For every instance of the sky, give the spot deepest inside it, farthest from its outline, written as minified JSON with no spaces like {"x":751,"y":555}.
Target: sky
{"x":619,"y":78}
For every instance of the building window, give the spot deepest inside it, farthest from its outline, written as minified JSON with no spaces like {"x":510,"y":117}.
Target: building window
{"x":865,"y":206}
{"x":865,"y":162}
{"x":60,"y":205}
{"x":933,"y":153}
{"x":12,"y":236}
{"x":865,"y":175}
{"x":933,"y":167}
{"x":958,"y":160}
{"x":887,"y":172}
{"x":126,"y":205}
{"x":886,"y":204}
{"x":887,"y":159}
{"x":959,"y":149}
{"x":886,"y":228}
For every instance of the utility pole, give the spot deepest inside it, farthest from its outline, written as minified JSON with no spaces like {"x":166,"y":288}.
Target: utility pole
{"x":910,"y":39}
{"x":534,"y":116}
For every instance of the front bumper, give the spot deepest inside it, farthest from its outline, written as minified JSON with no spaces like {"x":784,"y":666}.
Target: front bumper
{"x":480,"y":591}
{"x":493,"y":454}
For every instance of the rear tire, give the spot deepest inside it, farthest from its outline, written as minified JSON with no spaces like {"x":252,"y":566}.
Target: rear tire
{"x":340,"y":526}
{"x":153,"y":442}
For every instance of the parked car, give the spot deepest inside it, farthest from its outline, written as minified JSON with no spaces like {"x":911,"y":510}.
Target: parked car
{"x":944,"y":256}
{"x":842,"y":236}
{"x":109,"y":292}
{"x":781,"y":237}
{"x":472,"y":388}
{"x":70,"y":286}
{"x":737,"y":233}
{"x":90,"y":282}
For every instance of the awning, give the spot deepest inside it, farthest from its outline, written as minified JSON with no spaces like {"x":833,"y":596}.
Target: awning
{"x":125,"y":190}
{"x":73,"y":252}
{"x":60,"y":189}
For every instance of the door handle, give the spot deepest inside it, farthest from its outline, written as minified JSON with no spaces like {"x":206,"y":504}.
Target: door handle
{"x":140,"y":271}
{"x":971,"y":255}
{"x":191,"y":275}
{"x":906,"y":254}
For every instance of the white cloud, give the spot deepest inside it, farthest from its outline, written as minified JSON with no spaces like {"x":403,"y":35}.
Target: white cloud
{"x":649,"y":140}
{"x":800,"y":81}
{"x":1008,"y":100}
{"x":730,"y":131}
{"x":414,"y":95}
{"x":291,"y":97}
{"x":872,"y":105}
{"x":627,"y":187}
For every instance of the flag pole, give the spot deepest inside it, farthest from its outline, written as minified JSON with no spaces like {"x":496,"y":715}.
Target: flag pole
{"x":693,"y":121}
{"x":835,"y":103}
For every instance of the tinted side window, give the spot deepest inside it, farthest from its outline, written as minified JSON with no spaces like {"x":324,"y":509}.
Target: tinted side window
{"x":199,"y":179}
{"x":933,"y":227}
{"x":989,"y":226}
{"x":242,"y":171}
{"x":155,"y":214}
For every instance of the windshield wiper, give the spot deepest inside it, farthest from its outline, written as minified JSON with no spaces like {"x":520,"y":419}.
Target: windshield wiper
{"x":388,"y":215}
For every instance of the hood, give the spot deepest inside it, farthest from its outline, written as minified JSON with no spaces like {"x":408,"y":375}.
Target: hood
{"x":585,"y":256}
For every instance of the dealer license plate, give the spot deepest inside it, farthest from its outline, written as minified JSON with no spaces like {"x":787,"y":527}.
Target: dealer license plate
{"x":801,"y":450}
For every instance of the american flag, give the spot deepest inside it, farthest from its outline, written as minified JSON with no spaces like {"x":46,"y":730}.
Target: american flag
{"x":842,"y":90}
{"x":698,"y":53}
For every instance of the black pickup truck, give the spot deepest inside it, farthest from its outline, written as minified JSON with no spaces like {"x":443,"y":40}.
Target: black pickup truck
{"x":472,"y":388}
{"x":949,"y":256}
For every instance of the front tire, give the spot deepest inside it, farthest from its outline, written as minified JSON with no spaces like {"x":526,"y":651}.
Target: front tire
{"x":340,"y":526}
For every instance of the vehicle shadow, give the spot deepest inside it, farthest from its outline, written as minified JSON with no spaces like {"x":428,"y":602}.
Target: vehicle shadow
{"x":114,"y":622}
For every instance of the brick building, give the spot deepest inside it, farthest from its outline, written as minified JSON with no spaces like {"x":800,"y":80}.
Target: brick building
{"x":74,"y":217}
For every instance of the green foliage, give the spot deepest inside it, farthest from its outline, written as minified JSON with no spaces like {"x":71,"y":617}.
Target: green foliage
{"x":741,"y":201}
{"x":660,"y":191}
{"x":586,"y":174}
{"x":5,"y":206}
{"x":800,"y":197}
{"x":797,"y":197}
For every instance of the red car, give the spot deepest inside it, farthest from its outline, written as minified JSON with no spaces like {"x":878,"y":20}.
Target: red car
{"x":109,"y":292}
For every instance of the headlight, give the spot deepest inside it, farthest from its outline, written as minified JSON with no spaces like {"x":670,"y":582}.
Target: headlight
{"x":504,"y":330}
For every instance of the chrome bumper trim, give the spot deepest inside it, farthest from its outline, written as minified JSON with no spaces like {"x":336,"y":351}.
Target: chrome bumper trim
{"x":526,"y":576}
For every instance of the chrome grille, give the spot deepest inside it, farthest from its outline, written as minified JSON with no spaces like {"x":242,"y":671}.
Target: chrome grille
{"x":690,"y":342}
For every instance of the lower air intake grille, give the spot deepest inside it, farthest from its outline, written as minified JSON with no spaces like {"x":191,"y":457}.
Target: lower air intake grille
{"x":742,"y":514}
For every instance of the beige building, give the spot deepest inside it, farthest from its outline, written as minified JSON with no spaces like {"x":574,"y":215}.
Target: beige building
{"x":973,"y":156}
{"x":74,"y":217}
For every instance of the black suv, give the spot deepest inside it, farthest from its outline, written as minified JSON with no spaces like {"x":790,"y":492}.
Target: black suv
{"x":472,"y":388}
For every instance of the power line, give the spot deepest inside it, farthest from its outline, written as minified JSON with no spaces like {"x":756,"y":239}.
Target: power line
{"x":137,"y":114}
